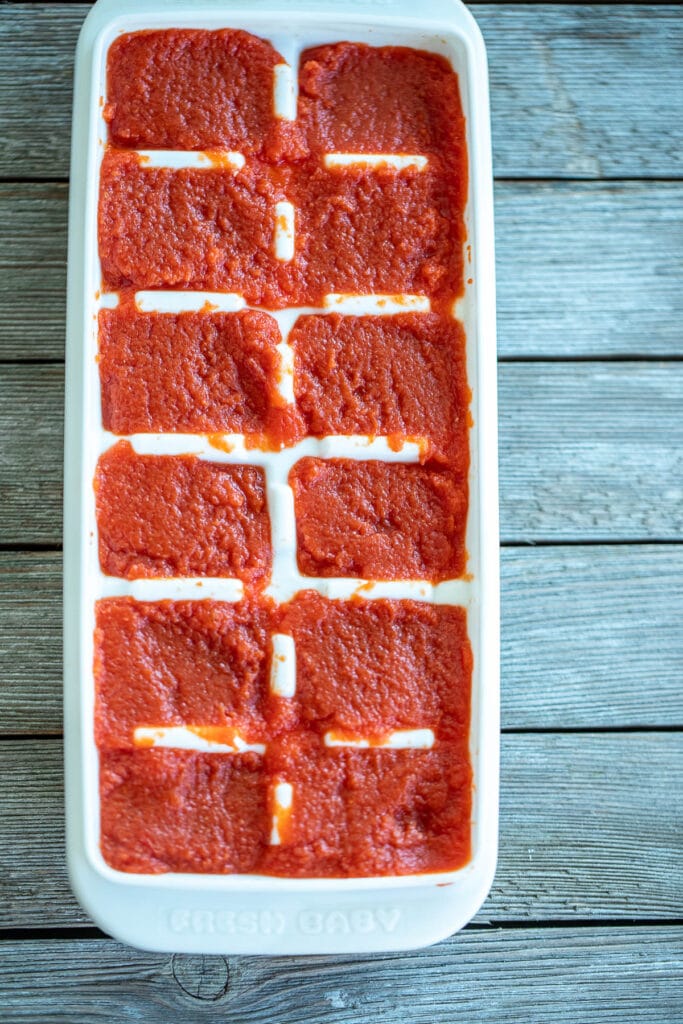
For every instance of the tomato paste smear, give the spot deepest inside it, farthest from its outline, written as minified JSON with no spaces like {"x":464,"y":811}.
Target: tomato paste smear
{"x":359,"y":230}
{"x":160,"y":515}
{"x":208,"y":229}
{"x":363,"y":230}
{"x":378,"y":229}
{"x":371,"y":812}
{"x":355,"y":98}
{"x":368,"y":667}
{"x":403,"y":375}
{"x":179,"y":810}
{"x":169,"y":663}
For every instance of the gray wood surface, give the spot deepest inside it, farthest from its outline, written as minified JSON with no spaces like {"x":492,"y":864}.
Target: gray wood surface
{"x":31,"y":418}
{"x":584,"y":269}
{"x":593,"y":92}
{"x":592,"y":636}
{"x":591,"y":269}
{"x":588,"y":451}
{"x":32,"y":270}
{"x":588,"y":640}
{"x":482,"y":975}
{"x":561,"y":107}
{"x":591,"y":451}
{"x":589,"y":830}
{"x":591,"y":472}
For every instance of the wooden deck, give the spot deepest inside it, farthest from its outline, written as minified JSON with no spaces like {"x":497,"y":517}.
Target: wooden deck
{"x":584,"y":919}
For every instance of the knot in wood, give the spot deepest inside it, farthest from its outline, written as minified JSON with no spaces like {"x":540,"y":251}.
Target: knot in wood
{"x":202,"y":977}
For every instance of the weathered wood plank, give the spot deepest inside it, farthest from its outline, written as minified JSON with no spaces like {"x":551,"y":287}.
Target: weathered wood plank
{"x":583,"y":91}
{"x":584,"y":269}
{"x":31,"y":642}
{"x":589,"y":830}
{"x":31,"y":415}
{"x":575,"y":89}
{"x":614,"y":615}
{"x":592,"y":636}
{"x":589,"y":452}
{"x":497,"y":976}
{"x":32,"y":270}
{"x":589,"y":269}
{"x":37,"y":46}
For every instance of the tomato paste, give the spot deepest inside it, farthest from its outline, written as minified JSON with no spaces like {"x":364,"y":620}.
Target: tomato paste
{"x":190,"y":228}
{"x":188,"y":372}
{"x":178,"y":810}
{"x":357,"y":230}
{"x":385,"y":99}
{"x":372,"y":812}
{"x":402,"y":375}
{"x":172,"y":662}
{"x":306,"y":736}
{"x":182,"y":89}
{"x":180,"y":516}
{"x":378,"y":230}
{"x":365,"y":668}
{"x":379,"y":520}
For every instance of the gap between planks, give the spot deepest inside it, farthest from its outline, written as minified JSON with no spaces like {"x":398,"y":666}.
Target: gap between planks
{"x":29,"y":548}
{"x":500,"y":976}
{"x":502,"y":360}
{"x":79,"y":932}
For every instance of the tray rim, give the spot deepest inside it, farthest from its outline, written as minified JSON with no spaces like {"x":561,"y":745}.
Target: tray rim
{"x":96,"y":884}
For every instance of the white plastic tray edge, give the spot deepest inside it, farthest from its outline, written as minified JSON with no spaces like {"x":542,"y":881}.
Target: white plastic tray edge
{"x":252,"y":914}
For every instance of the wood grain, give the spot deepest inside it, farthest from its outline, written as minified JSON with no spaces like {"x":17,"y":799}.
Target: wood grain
{"x":591,"y":633}
{"x":31,"y":642}
{"x":31,"y":416}
{"x":588,"y":452}
{"x":496,"y":976}
{"x":589,"y":830}
{"x":589,"y":269}
{"x":576,"y":92}
{"x":575,"y":89}
{"x":583,"y":269}
{"x":32,"y":270}
{"x":591,"y":637}
{"x":591,"y":451}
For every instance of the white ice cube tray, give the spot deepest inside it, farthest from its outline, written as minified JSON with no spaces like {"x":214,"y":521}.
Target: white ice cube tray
{"x":250,"y":913}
